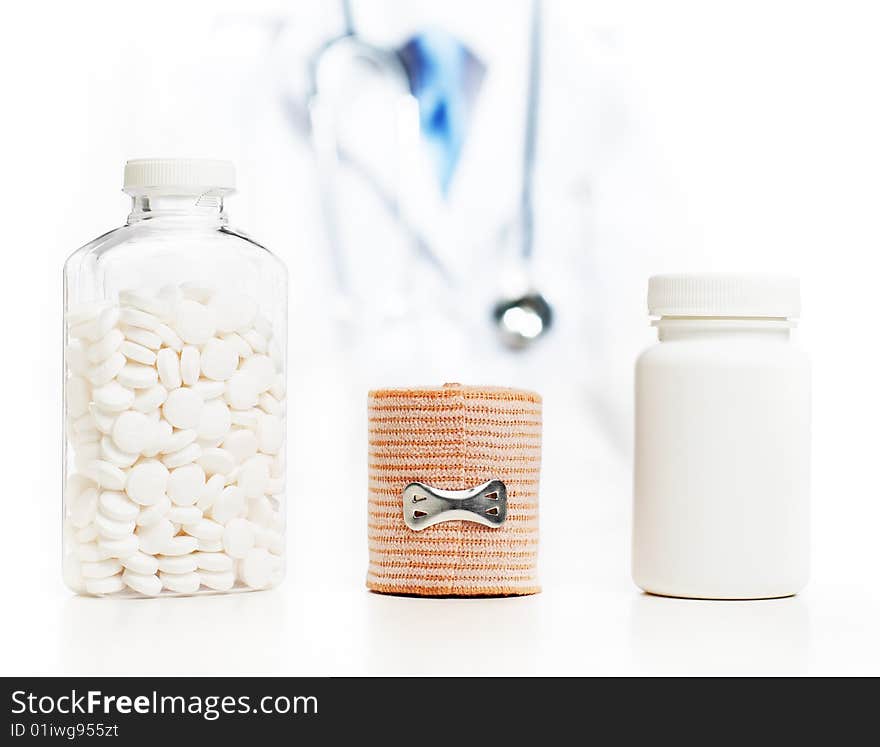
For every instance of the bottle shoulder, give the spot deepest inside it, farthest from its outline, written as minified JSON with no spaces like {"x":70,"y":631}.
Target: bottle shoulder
{"x":715,"y":352}
{"x":146,"y":237}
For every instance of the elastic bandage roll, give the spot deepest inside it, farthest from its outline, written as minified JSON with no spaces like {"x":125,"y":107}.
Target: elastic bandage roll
{"x":454,"y":438}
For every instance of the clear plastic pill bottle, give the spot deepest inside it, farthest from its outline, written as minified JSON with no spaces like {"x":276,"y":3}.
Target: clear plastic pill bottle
{"x":722,"y":441}
{"x":174,"y":396}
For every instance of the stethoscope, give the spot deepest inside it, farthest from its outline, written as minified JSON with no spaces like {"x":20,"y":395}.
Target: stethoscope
{"x":520,"y":319}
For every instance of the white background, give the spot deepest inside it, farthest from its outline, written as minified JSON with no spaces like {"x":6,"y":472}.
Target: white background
{"x":749,"y":142}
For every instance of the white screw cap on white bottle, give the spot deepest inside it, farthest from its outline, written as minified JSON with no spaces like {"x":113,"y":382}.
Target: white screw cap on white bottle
{"x":178,"y":176}
{"x":725,"y":295}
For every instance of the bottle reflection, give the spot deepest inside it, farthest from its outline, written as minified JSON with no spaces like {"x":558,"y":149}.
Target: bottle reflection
{"x":204,"y":635}
{"x":701,"y":637}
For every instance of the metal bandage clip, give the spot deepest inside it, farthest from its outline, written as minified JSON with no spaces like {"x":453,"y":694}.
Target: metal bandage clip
{"x":424,"y":506}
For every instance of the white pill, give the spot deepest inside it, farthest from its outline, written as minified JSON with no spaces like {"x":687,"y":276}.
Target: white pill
{"x":256,"y":569}
{"x":183,"y":408}
{"x":85,"y":311}
{"x":147,"y":482}
{"x":108,"y":475}
{"x":254,"y":477}
{"x":104,"y":421}
{"x":111,"y":528}
{"x":180,"y":440}
{"x":101,"y":586}
{"x":75,"y":355}
{"x":219,"y":359}
{"x":143,"y":337}
{"x":242,"y":390}
{"x":184,"y":514}
{"x":204,"y":529}
{"x":242,"y":444}
{"x":105,"y":372}
{"x":85,"y":454}
{"x":196,"y":292}
{"x":143,"y":301}
{"x":101,"y":568}
{"x":168,"y":365}
{"x":107,"y":320}
{"x":185,"y":485}
{"x":262,"y":325}
{"x":239,"y":344}
{"x":260,"y":511}
{"x":148,"y":585}
{"x":276,"y":353}
{"x":210,"y":545}
{"x":180,"y":545}
{"x":217,"y":461}
{"x":278,"y":388}
{"x":113,"y":397}
{"x":233,"y":311}
{"x":137,"y":353}
{"x":121,"y":547}
{"x":161,"y":434}
{"x":182,"y":583}
{"x":217,"y":580}
{"x":169,"y":337}
{"x":272,"y":540}
{"x":253,"y":338}
{"x":260,"y":367}
{"x":154,"y":538}
{"x":276,"y":485}
{"x":84,"y":432}
{"x":118,"y":506}
{"x":190,"y":364}
{"x":113,"y":454}
{"x":215,"y":421}
{"x":132,"y":431}
{"x":82,"y":507}
{"x":178,"y":563}
{"x":89,"y":552}
{"x":141,"y":563}
{"x":209,"y":389}
{"x":137,"y":376}
{"x":147,"y":400}
{"x":238,"y":538}
{"x":79,"y":394}
{"x":137,"y":318}
{"x":270,"y":433}
{"x":194,"y":322}
{"x":101,"y":350}
{"x":83,"y":331}
{"x":245,"y":418}
{"x":212,"y":489}
{"x":214,"y":561}
{"x":88,"y":533}
{"x":230,"y":504}
{"x":72,"y":574}
{"x":170,"y":295}
{"x":84,"y":424}
{"x":150,"y":515}
{"x":269,"y":404}
{"x":187,"y":455}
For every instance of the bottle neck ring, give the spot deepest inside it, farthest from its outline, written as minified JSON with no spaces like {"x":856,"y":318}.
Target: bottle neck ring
{"x":152,"y":205}
{"x":680,"y":327}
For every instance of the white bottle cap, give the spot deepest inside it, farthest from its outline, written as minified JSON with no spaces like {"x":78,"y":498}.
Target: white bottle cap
{"x":774,"y":296}
{"x":178,"y":176}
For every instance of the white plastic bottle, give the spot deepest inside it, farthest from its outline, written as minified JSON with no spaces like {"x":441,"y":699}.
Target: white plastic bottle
{"x":722,"y":449}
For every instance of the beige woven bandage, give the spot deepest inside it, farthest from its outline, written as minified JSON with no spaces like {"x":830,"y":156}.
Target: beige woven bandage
{"x":454,"y":438}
